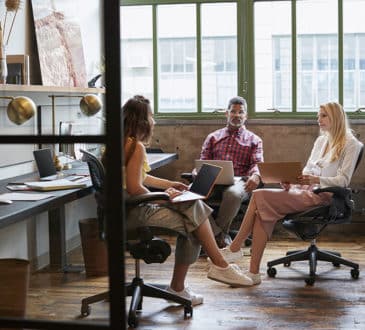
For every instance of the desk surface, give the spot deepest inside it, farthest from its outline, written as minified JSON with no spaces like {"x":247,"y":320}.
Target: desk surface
{"x":156,"y":160}
{"x":19,"y":210}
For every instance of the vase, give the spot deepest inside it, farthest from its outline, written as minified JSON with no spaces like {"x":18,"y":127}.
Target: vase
{"x":3,"y":65}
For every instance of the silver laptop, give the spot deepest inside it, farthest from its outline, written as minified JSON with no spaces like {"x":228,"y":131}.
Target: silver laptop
{"x":202,"y":184}
{"x":227,"y":176}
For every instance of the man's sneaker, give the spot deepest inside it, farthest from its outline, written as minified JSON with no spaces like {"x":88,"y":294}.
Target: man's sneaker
{"x":196,"y":299}
{"x":232,"y":275}
{"x":256,"y":278}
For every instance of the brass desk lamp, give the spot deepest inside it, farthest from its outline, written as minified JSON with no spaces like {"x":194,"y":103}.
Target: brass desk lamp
{"x":19,"y":109}
{"x":90,"y":104}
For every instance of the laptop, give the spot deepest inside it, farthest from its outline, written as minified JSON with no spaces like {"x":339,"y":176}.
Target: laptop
{"x":46,"y":168}
{"x":227,"y":176}
{"x":277,"y":172}
{"x":202,"y":185}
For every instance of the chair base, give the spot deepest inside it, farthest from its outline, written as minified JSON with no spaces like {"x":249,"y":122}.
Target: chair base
{"x":313,"y":254}
{"x":137,"y":289}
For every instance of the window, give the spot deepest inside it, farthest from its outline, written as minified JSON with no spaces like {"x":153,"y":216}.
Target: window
{"x":285,"y":57}
{"x":176,"y":76}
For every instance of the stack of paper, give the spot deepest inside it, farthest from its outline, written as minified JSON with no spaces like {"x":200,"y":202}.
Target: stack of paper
{"x":55,"y":185}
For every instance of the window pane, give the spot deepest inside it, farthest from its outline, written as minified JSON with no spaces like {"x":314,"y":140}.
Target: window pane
{"x":219,"y":54}
{"x":273,"y":56}
{"x":177,"y":58}
{"x":137,"y":54}
{"x":354,"y":54}
{"x":317,"y":60}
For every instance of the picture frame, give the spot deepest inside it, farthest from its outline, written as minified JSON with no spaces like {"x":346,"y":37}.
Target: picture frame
{"x":18,"y":69}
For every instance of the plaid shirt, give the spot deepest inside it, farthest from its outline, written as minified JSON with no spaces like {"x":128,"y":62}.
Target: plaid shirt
{"x":241,"y":146}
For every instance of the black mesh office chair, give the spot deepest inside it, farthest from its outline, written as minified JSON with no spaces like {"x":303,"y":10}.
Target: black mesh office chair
{"x":142,"y":245}
{"x":309,"y":224}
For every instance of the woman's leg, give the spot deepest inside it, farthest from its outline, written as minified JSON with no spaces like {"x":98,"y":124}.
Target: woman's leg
{"x":246,"y":226}
{"x":206,"y":238}
{"x":259,"y":240}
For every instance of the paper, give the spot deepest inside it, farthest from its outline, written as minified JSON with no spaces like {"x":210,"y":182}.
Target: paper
{"x":55,"y":185}
{"x":24,"y":196}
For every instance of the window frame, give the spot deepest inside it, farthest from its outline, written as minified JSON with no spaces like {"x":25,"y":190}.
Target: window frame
{"x":245,"y":59}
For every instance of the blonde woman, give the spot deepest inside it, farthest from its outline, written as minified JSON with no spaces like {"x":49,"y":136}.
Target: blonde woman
{"x":331,"y":163}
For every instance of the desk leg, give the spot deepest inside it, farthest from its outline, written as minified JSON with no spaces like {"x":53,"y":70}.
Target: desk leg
{"x":57,"y":241}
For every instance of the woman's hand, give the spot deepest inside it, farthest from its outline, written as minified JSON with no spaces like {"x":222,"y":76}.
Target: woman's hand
{"x":285,"y":185}
{"x":172,"y":192}
{"x":307,"y":179}
{"x":179,"y":185}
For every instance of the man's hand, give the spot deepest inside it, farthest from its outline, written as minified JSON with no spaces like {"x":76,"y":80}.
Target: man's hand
{"x":252,"y":182}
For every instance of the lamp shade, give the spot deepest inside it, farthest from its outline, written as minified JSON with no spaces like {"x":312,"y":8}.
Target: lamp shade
{"x":90,"y":104}
{"x":20,"y":109}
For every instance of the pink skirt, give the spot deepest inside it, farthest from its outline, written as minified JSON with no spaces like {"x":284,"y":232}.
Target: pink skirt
{"x":275,"y":204}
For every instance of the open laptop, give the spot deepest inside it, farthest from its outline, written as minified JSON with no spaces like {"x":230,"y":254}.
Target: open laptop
{"x":46,"y":168}
{"x":227,"y":176}
{"x":277,"y":172}
{"x":202,"y":185}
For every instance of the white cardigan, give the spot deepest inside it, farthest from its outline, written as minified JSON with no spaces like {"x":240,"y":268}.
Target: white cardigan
{"x":336,"y":173}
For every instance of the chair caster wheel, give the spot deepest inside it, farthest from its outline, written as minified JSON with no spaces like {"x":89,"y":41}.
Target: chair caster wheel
{"x":335,"y":264}
{"x":310,"y":280}
{"x":355,"y":273}
{"x":286,"y":264}
{"x":188,"y":312}
{"x":271,"y":272}
{"x":85,"y":310}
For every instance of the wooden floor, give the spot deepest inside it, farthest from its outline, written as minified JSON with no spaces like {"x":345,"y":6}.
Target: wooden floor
{"x":336,"y":301}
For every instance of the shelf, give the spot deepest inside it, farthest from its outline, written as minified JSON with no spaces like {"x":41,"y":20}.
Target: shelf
{"x":50,"y":89}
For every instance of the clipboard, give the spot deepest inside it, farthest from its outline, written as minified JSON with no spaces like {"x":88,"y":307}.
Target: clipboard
{"x":277,"y":172}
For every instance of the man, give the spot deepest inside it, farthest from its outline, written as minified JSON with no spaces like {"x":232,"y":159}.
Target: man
{"x":233,"y":142}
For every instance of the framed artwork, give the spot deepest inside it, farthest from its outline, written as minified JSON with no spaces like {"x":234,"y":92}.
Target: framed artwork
{"x":18,"y":69}
{"x":60,"y":48}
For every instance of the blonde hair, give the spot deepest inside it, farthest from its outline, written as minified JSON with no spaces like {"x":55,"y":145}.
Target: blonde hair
{"x":339,"y":128}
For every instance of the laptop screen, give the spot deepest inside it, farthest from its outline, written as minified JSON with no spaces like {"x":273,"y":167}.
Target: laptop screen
{"x":205,"y":179}
{"x":44,"y":161}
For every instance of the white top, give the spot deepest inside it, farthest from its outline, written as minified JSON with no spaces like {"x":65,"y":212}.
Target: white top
{"x":336,"y":173}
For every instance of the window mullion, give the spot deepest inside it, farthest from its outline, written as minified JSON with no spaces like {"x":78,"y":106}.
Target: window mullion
{"x":198,"y":59}
{"x":340,"y":51}
{"x":294,"y":54}
{"x":155,"y":59}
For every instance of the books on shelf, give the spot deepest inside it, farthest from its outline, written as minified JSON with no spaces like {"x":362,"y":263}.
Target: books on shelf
{"x":55,"y":185}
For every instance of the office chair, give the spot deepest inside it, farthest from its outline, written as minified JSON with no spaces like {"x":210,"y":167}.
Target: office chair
{"x":142,"y":245}
{"x":309,"y":224}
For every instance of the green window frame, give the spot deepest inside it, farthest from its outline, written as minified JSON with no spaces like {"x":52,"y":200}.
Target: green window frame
{"x":246,"y":58}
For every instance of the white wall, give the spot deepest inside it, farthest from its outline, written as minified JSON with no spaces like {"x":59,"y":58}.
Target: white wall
{"x":29,"y":238}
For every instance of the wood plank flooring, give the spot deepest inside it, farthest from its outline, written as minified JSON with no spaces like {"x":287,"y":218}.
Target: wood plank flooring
{"x":336,"y":301}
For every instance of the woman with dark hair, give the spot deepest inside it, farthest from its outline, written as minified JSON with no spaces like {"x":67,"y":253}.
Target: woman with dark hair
{"x":190,"y":219}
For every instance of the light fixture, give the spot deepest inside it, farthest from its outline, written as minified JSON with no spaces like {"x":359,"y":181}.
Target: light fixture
{"x":20,"y":109}
{"x":90,"y":104}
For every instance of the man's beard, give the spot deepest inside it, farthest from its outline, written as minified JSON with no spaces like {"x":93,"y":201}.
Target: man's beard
{"x":237,"y":123}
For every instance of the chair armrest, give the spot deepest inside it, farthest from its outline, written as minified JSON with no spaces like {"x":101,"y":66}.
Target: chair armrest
{"x":338,"y":191}
{"x":148,"y":197}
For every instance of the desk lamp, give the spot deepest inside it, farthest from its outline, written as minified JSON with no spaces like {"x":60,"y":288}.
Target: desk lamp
{"x":19,"y":109}
{"x":90,"y":104}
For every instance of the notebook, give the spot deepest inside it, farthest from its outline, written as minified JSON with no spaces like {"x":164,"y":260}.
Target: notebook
{"x":202,"y":185}
{"x":60,"y":184}
{"x":277,"y":172}
{"x":227,"y":176}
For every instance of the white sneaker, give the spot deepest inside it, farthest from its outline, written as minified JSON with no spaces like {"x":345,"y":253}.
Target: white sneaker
{"x":196,"y":299}
{"x":230,"y":256}
{"x":232,"y":275}
{"x":256,"y":278}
